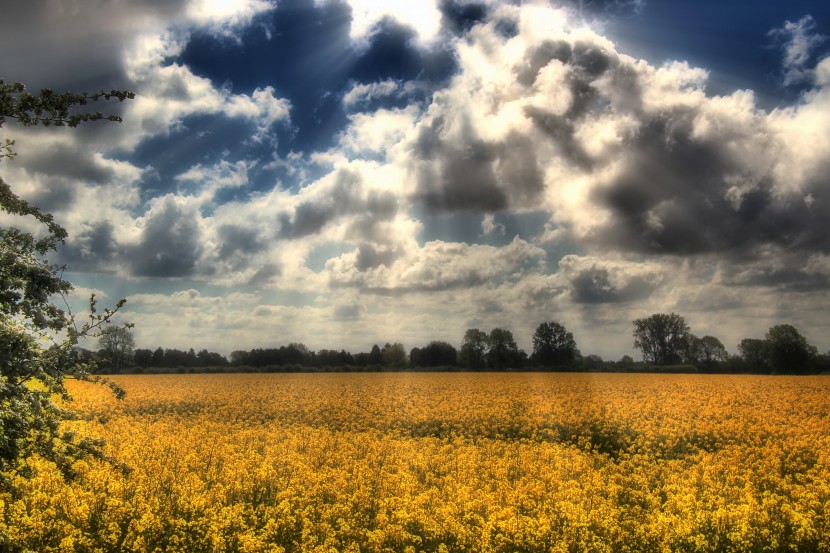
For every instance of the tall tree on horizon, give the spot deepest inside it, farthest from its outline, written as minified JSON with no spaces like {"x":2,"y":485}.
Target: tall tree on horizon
{"x":553,"y":345}
{"x":662,"y":338}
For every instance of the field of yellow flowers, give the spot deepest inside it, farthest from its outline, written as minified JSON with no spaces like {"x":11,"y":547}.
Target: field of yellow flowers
{"x":440,"y":462}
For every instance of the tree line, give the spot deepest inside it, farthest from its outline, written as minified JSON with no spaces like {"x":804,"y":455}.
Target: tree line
{"x":665,"y":340}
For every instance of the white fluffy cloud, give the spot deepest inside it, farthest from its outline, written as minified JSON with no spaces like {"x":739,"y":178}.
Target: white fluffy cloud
{"x":225,"y":17}
{"x":423,"y":17}
{"x":169,"y":93}
{"x":361,"y":93}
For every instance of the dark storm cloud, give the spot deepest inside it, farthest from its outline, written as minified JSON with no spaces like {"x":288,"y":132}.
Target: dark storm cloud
{"x":73,"y":45}
{"x":594,"y":281}
{"x":308,"y":218}
{"x":236,"y":246}
{"x":64,"y":160}
{"x":344,"y":197}
{"x":672,"y":199}
{"x":458,"y":18}
{"x":781,"y":277}
{"x":170,"y":243}
{"x":460,"y":177}
{"x":235,"y":240}
{"x":94,"y":249}
{"x":473,"y":175}
{"x":561,"y":130}
{"x":540,"y":56}
{"x":369,"y":257}
{"x":56,"y":196}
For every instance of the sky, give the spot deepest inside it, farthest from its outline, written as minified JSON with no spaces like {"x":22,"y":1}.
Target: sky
{"x":345,"y":173}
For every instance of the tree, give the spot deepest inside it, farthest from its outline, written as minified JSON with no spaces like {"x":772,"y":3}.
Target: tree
{"x":626,"y":361}
{"x":592,"y":362}
{"x":394,"y":355}
{"x":709,"y":352}
{"x":755,"y":354}
{"x":31,"y":374}
{"x":116,"y":344}
{"x":158,"y":357}
{"x":375,"y":356}
{"x":789,"y":352}
{"x":503,"y":351}
{"x":434,"y":354}
{"x":474,"y":349}
{"x":239,"y":357}
{"x":662,"y":338}
{"x":143,"y":357}
{"x":553,"y":345}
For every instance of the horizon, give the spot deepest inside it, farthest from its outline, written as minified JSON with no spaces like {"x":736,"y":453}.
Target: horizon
{"x":349,"y":173}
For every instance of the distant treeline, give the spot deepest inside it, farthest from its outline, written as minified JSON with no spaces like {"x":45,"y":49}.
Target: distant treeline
{"x":666,"y":341}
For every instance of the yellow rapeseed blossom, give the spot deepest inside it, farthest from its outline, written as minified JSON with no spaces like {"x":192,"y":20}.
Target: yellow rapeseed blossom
{"x":440,"y":462}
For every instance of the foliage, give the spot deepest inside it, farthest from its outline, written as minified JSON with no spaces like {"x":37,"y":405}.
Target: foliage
{"x":48,"y":108}
{"x":37,"y":338}
{"x":434,"y":354}
{"x":788,"y":350}
{"x":394,"y":355}
{"x":473,"y":349}
{"x":553,"y":345}
{"x":443,"y":462}
{"x":116,"y":344}
{"x":502,"y":350}
{"x":755,"y":354}
{"x":662,"y":338}
{"x":709,"y":352}
{"x":375,"y":356}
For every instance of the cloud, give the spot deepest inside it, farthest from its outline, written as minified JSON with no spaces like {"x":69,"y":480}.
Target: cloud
{"x":224,"y":18}
{"x":647,"y":192}
{"x":205,"y":182}
{"x":169,"y":243}
{"x":423,"y":17}
{"x":797,"y":40}
{"x":171,"y":92}
{"x":341,"y":197}
{"x":371,"y":134}
{"x":627,"y":157}
{"x":594,"y":280}
{"x":364,"y":93}
{"x":434,"y":267}
{"x":349,"y":311}
{"x":77,"y":45}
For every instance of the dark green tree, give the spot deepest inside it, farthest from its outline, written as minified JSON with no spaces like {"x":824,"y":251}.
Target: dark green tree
{"x":394,"y":355}
{"x":755,"y":354}
{"x":434,"y":354}
{"x":788,"y":350}
{"x":143,"y":357}
{"x":116,"y":344}
{"x":31,"y":375}
{"x":158,"y":358}
{"x":375,"y":356}
{"x":662,"y":338}
{"x":709,"y":353}
{"x":474,"y":349}
{"x":503,"y":352}
{"x":553,"y":345}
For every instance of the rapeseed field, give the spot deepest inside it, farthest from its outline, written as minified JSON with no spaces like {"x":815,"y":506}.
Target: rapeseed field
{"x":439,"y":462}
